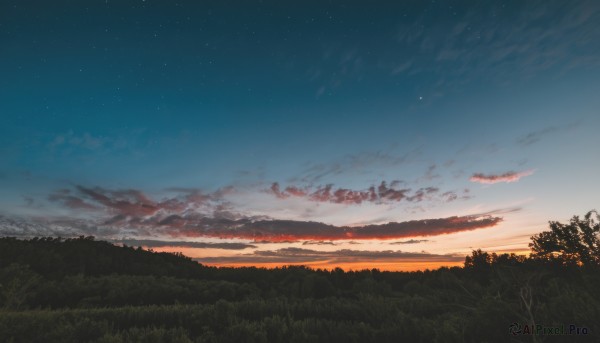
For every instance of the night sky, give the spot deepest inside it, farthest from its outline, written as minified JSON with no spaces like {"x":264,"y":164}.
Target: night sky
{"x":390,"y":134}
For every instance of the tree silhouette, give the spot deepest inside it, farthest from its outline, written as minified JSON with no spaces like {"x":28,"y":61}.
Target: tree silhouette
{"x":574,"y":243}
{"x":479,"y":260}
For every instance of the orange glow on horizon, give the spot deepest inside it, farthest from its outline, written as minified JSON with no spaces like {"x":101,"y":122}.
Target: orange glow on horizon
{"x":355,"y":266}
{"x":406,"y":265}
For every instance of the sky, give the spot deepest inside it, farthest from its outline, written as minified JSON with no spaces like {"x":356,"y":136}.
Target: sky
{"x":393,"y":135}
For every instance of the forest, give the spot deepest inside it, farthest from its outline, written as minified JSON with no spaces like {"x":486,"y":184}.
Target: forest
{"x":86,"y":290}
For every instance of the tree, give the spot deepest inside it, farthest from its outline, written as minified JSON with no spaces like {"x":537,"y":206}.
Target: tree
{"x":479,"y":260}
{"x":574,"y":243}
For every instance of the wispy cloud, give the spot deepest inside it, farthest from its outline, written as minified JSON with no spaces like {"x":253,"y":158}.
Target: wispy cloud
{"x":496,"y":178}
{"x":66,"y":199}
{"x":336,"y":66}
{"x":535,"y":136}
{"x":135,"y":203}
{"x":501,"y":43}
{"x":85,"y":141}
{"x":356,"y":163}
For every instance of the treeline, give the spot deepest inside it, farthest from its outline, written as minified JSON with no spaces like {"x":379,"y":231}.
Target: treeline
{"x":83,"y":290}
{"x":55,"y":258}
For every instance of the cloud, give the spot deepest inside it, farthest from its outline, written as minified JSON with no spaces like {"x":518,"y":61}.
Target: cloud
{"x":300,"y":255}
{"x":86,"y":141}
{"x":380,"y":194}
{"x":292,"y":231}
{"x":124,"y":202}
{"x":410,"y":241}
{"x":319,"y":243}
{"x":502,"y":44}
{"x":535,"y":136}
{"x":500,"y":211}
{"x":385,"y":192}
{"x":346,"y":62}
{"x":506,"y":177}
{"x":450,"y":196}
{"x":264,"y":241}
{"x":186,"y":244}
{"x":134,"y":203}
{"x":71,"y":201}
{"x":289,"y":191}
{"x":422,"y":193}
{"x":188,"y":225}
{"x":430,"y":174}
{"x":191,"y":213}
{"x":356,"y":163}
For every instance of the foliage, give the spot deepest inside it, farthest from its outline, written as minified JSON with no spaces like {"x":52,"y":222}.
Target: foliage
{"x":574,"y":243}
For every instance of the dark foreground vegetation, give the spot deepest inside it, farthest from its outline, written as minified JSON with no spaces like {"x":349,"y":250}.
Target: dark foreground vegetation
{"x":82,"y":290}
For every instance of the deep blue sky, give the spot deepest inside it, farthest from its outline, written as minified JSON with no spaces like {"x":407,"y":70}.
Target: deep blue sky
{"x":226,"y":98}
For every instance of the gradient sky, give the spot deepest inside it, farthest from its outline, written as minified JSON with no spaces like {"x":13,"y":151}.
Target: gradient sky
{"x":396,"y":135}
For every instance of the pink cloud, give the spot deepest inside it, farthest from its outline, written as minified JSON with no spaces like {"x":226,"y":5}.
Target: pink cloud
{"x":506,"y":177}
